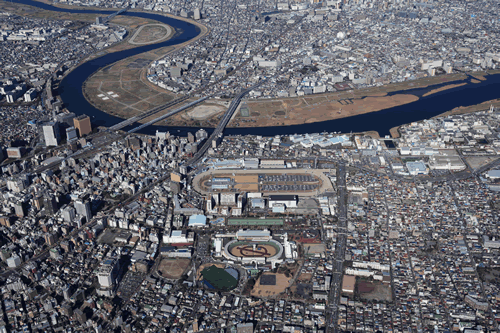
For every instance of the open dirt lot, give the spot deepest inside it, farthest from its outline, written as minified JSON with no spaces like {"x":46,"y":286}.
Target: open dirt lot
{"x":172,"y":268}
{"x":282,"y":282}
{"x":205,"y":111}
{"x":314,"y":109}
{"x":305,"y":277}
{"x":314,"y":248}
{"x":375,"y":290}
{"x":478,"y":161}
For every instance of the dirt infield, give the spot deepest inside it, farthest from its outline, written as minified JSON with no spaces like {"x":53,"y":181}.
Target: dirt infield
{"x":173,"y":268}
{"x":250,"y":251}
{"x":282,"y":282}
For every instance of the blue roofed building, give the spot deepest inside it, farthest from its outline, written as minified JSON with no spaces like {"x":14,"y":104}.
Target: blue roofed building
{"x":197,"y":221}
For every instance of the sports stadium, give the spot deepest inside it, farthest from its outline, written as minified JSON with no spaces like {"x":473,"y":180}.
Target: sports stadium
{"x":253,"y":246}
{"x":220,"y":278}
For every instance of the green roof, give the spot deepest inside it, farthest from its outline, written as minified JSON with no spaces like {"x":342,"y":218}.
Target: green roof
{"x":255,"y":221}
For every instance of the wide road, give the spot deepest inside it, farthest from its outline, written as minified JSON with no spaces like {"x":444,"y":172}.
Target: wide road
{"x":338,"y":261}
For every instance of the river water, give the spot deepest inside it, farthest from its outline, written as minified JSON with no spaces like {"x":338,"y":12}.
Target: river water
{"x":70,"y":89}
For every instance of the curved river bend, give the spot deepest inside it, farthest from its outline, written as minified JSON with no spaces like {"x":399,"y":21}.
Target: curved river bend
{"x":70,"y":89}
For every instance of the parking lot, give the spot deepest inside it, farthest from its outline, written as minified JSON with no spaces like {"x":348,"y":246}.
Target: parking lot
{"x":287,"y":178}
{"x":131,"y":281}
{"x":283,"y":188}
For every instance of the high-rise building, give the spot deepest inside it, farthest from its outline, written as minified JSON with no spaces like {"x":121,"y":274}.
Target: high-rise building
{"x":107,"y":273}
{"x":30,"y":95}
{"x":201,"y":135}
{"x":69,"y":214}
{"x":50,"y":204}
{"x":83,"y":209}
{"x":83,"y":125}
{"x":197,"y":14}
{"x":65,"y":118}
{"x":50,"y":239}
{"x":71,"y":133}
{"x":38,"y":202}
{"x":51,"y":134}
{"x":20,"y":209}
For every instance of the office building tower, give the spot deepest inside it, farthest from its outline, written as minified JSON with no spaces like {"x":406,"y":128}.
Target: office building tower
{"x":71,"y":133}
{"x":69,"y":214}
{"x":83,"y":125}
{"x":197,"y":14}
{"x":30,"y":95}
{"x":50,"y":239}
{"x":107,"y":274}
{"x":50,"y":204}
{"x":83,"y":209}
{"x":20,"y":209}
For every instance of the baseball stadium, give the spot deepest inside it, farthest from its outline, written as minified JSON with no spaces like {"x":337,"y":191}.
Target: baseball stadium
{"x":220,"y":278}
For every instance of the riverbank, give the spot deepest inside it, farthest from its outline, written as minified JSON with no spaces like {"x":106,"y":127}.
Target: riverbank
{"x":381,"y":121}
{"x":137,"y":92}
{"x":127,"y":78}
{"x":456,"y":111}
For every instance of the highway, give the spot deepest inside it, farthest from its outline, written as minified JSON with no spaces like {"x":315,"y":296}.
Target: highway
{"x":148,"y":113}
{"x":166,"y":115}
{"x":220,"y":127}
{"x":338,"y":261}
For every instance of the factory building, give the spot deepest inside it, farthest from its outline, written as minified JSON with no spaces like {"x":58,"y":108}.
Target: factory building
{"x":286,"y":200}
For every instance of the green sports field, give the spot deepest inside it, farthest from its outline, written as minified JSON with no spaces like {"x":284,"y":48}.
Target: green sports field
{"x":219,"y":278}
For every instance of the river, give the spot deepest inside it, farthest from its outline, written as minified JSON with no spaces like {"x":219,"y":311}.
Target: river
{"x":70,"y":90}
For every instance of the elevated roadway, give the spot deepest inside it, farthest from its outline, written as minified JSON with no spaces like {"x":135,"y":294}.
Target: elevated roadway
{"x":171,"y":113}
{"x":222,"y":124}
{"x":332,"y":311}
{"x":148,"y":113}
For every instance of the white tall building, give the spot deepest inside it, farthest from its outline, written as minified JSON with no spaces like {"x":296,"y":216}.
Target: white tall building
{"x":30,"y":95}
{"x":107,"y":273}
{"x":83,"y":209}
{"x":51,"y":134}
{"x":197,"y":14}
{"x":69,"y":214}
